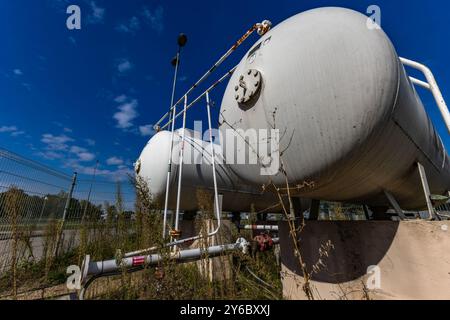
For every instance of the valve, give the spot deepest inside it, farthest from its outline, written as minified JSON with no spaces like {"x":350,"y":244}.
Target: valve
{"x":263,"y":242}
{"x":175,"y":233}
{"x":263,"y":27}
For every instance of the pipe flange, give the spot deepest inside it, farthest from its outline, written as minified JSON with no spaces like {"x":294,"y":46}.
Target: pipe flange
{"x":247,"y":86}
{"x":243,"y":245}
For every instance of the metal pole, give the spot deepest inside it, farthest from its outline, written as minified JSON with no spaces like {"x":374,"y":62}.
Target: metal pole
{"x":172,"y":112}
{"x":262,"y":28}
{"x":366,"y":212}
{"x":213,"y":162}
{"x":215,"y":84}
{"x":90,"y":191}
{"x":43,"y":208}
{"x":66,"y":209}
{"x":180,"y":170}
{"x":426,"y":191}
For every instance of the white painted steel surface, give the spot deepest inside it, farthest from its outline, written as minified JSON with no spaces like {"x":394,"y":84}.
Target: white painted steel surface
{"x":354,"y":123}
{"x":350,"y":119}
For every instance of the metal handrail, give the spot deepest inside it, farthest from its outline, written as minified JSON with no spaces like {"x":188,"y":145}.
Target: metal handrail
{"x":261,"y":28}
{"x":196,"y":100}
{"x":431,"y":85}
{"x":181,"y":160}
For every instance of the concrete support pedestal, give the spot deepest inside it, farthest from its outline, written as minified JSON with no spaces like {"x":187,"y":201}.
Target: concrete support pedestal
{"x":380,"y":260}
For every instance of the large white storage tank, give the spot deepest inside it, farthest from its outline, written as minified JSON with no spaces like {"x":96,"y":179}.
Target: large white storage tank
{"x":197,"y":174}
{"x":350,"y":120}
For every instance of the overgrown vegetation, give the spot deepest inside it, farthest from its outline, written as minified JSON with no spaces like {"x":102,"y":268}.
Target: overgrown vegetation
{"x":34,"y":267}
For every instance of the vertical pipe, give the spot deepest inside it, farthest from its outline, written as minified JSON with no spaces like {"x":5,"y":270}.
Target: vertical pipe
{"x":169,"y":171}
{"x":180,"y":171}
{"x":66,"y":209}
{"x":366,"y":212}
{"x":214,"y":67}
{"x":42,"y":211}
{"x":169,"y":168}
{"x":314,"y":210}
{"x":89,"y":193}
{"x":426,"y":191}
{"x":213,"y":160}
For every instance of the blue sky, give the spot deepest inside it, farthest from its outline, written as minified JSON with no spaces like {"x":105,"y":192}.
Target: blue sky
{"x":68,"y":98}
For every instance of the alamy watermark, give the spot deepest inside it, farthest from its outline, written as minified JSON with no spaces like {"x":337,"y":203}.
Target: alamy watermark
{"x":231,"y":146}
{"x":73,"y":22}
{"x":73,"y":281}
{"x":374,"y":20}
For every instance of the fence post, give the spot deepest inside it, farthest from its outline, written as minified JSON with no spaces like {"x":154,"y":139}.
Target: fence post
{"x":66,"y":208}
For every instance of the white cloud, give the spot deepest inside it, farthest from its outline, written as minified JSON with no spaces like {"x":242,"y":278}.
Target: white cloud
{"x":131,"y":26}
{"x":77,"y":149}
{"x":121,"y":99}
{"x":146,"y":130}
{"x":154,"y":18}
{"x":17,"y":133}
{"x":82,"y":153}
{"x":27,"y":86}
{"x":124,"y":65}
{"x":60,"y":147}
{"x":56,"y":143}
{"x":86,"y":156}
{"x":120,"y":174}
{"x":126,"y":114}
{"x":68,"y":130}
{"x":97,"y":15}
{"x":50,"y":155}
{"x":8,"y":129}
{"x":13,"y":130}
{"x":114,"y":161}
{"x":18,"y":72}
{"x":90,"y":142}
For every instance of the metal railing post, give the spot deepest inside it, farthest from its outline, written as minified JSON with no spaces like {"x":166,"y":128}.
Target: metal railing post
{"x":172,"y":112}
{"x":430,"y":84}
{"x":180,"y":170}
{"x":66,"y":209}
{"x":89,"y":193}
{"x":213,"y":162}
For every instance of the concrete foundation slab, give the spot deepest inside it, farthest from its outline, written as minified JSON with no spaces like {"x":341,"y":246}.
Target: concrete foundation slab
{"x":377,"y":260}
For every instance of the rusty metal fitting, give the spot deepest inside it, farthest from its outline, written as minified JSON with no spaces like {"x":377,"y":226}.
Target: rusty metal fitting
{"x":175,"y":233}
{"x":159,"y":273}
{"x":264,"y":242}
{"x":263,"y":27}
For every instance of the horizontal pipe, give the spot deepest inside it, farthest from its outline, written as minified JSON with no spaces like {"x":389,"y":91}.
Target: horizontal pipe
{"x":260,"y":227}
{"x":420,"y":83}
{"x":96,"y":268}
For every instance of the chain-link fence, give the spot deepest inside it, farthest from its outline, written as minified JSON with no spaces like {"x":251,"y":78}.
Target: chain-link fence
{"x":33,"y":197}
